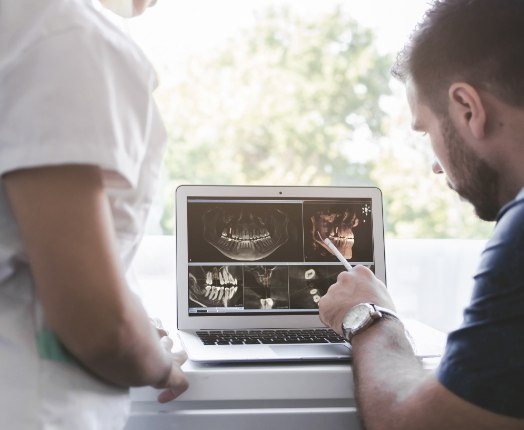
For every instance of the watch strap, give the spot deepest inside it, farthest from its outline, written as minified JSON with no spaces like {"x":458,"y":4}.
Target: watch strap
{"x":376,"y":313}
{"x":386,"y":311}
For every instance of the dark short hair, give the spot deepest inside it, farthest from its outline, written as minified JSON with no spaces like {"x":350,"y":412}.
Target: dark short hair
{"x":480,"y":42}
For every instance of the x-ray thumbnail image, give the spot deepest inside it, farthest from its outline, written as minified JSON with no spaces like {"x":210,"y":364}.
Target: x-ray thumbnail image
{"x":348,"y":227}
{"x":215,"y":286}
{"x":307,"y":284}
{"x":266,"y":287}
{"x":244,"y":232}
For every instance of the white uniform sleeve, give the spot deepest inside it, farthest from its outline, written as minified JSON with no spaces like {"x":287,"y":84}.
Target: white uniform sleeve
{"x":76,"y":98}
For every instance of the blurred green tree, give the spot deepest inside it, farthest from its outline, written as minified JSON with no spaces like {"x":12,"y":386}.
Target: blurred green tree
{"x":284,"y":103}
{"x":298,"y":100}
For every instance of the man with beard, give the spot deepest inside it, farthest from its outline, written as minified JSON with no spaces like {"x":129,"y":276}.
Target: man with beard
{"x":463,"y":70}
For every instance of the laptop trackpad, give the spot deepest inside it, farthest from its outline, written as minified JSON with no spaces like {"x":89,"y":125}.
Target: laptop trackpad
{"x":311,"y":351}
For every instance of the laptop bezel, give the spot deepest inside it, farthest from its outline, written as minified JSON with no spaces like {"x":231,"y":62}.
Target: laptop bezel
{"x":183,"y":192}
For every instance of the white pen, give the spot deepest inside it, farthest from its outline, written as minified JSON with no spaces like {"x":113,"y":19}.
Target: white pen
{"x":337,"y":254}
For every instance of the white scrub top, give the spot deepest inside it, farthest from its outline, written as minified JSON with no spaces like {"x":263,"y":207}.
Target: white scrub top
{"x":73,"y":90}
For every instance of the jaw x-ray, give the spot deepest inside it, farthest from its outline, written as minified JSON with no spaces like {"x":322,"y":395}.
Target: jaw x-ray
{"x":245,"y":234}
{"x":347,"y":226}
{"x":307,"y":284}
{"x":266,"y":287}
{"x":215,"y":286}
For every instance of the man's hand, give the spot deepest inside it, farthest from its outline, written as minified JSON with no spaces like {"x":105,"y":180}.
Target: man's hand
{"x":352,"y":288}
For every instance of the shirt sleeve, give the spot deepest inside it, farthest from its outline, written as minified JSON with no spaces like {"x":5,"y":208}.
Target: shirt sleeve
{"x":76,"y":98}
{"x":484,"y":359}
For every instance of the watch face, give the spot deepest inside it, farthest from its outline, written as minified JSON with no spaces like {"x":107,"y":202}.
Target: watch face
{"x":357,"y":317}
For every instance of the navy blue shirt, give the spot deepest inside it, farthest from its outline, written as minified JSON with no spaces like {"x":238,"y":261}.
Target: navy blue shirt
{"x":484,"y":359}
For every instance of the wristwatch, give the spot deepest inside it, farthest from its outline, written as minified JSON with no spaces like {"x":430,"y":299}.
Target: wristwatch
{"x":361,"y":316}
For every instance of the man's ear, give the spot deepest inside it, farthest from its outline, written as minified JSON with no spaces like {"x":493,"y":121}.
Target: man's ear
{"x":467,"y":109}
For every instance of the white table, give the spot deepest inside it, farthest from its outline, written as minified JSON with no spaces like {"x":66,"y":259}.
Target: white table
{"x":264,"y":396}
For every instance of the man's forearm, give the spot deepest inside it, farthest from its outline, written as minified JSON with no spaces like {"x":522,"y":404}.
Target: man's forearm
{"x":386,"y":373}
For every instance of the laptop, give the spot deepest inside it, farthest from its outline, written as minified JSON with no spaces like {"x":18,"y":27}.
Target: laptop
{"x":251,"y":267}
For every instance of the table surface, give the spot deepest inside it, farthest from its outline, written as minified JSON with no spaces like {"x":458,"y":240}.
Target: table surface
{"x":261,"y":396}
{"x":270,"y":381}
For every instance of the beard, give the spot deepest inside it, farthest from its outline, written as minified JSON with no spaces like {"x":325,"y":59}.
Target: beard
{"x":474,"y":180}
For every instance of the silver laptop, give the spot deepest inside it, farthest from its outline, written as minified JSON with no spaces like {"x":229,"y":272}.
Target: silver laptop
{"x":251,"y":267}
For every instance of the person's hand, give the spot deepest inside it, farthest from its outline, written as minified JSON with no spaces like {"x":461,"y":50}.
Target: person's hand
{"x":176,"y":383}
{"x":166,"y":342}
{"x":352,"y":288}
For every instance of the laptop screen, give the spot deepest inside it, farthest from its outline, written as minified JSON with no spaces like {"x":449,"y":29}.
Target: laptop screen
{"x":266,"y":256}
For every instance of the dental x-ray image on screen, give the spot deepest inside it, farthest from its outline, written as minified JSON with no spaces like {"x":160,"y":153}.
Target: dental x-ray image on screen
{"x":215,"y":286}
{"x":266,"y":287}
{"x":244,"y":232}
{"x":348,"y":226}
{"x":307,"y":284}
{"x":266,"y":256}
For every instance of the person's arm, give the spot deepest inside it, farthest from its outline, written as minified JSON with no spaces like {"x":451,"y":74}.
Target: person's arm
{"x":64,"y":219}
{"x":392,"y":390}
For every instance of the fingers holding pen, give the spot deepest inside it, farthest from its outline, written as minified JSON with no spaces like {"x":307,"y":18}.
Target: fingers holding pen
{"x":352,"y":288}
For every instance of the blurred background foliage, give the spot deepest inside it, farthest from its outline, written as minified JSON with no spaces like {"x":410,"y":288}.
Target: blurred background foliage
{"x":297,"y":100}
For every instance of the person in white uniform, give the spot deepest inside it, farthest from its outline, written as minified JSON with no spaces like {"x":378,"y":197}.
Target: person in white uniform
{"x":80,"y":147}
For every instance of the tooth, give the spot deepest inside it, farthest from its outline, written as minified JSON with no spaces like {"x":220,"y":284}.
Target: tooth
{"x":209,"y":278}
{"x":220,"y":293}
{"x":214,"y":293}
{"x":270,"y":302}
{"x":316,"y":298}
{"x":221,"y":278}
{"x":215,"y":275}
{"x":226,"y":295}
{"x":236,"y":288}
{"x":208,"y":288}
{"x":262,"y":303}
{"x":309,"y":274}
{"x":313,"y":291}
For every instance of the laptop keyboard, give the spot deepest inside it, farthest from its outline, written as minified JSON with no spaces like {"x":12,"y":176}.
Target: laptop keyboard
{"x":252,"y":337}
